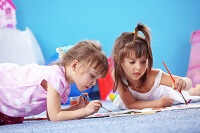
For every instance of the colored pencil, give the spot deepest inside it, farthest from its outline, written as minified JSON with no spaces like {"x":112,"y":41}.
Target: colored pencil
{"x":91,"y":100}
{"x":174,"y":81}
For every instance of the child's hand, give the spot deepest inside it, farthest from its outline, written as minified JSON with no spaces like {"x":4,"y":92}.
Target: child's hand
{"x":82,"y":102}
{"x":179,"y":84}
{"x":93,"y":107}
{"x":165,"y":101}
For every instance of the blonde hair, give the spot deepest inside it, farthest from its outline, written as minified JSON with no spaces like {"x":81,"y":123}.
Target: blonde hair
{"x":130,"y":44}
{"x":89,"y":54}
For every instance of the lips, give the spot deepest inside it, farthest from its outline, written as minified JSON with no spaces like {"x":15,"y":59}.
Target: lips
{"x":137,"y":74}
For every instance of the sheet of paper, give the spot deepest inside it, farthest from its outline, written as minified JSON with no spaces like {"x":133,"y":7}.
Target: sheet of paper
{"x":143,"y":111}
{"x":125,"y":113}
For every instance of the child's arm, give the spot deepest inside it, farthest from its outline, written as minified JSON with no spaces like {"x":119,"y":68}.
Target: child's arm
{"x":81,"y":103}
{"x":56,"y":114}
{"x":131,"y":103}
{"x":181,"y":83}
{"x":71,"y":108}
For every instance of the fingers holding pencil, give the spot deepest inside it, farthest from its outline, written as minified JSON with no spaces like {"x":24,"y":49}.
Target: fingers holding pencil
{"x":176,"y":83}
{"x":93,"y":107}
{"x":91,"y":100}
{"x":179,"y":84}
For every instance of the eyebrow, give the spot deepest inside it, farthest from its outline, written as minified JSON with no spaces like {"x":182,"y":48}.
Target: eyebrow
{"x":94,"y":72}
{"x":136,"y":58}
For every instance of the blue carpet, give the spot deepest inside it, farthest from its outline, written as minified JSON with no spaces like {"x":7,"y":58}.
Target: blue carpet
{"x":175,"y":121}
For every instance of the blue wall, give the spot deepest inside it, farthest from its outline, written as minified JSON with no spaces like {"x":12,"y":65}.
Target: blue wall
{"x":63,"y":22}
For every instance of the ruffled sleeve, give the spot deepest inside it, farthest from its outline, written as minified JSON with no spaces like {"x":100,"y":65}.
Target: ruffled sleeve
{"x":56,"y":78}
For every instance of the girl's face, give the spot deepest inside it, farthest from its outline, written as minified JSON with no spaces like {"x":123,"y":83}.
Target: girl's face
{"x":87,"y":79}
{"x":134,"y":68}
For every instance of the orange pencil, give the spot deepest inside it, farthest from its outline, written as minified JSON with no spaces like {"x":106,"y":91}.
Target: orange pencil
{"x":174,"y":81}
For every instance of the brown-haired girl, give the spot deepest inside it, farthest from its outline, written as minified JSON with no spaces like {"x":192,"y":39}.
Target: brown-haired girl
{"x":31,"y":89}
{"x":138,"y":84}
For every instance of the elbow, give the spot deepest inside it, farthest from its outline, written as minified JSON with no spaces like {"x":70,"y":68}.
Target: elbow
{"x":134,"y":105}
{"x":53,"y":118}
{"x":129,"y":106}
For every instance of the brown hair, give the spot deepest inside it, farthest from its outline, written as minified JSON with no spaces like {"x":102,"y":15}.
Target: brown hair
{"x":124,"y":46}
{"x":89,"y":54}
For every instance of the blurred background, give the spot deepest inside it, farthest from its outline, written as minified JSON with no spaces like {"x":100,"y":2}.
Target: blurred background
{"x":64,"y":22}
{"x":57,"y":23}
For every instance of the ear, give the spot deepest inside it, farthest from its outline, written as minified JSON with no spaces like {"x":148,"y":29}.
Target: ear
{"x":74,"y":65}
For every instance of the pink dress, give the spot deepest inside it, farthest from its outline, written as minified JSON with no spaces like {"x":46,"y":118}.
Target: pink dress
{"x":22,"y":95}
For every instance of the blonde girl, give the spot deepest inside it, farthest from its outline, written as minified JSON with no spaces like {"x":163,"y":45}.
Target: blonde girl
{"x":31,"y":89}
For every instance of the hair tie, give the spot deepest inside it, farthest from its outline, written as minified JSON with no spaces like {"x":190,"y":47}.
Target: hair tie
{"x":135,"y":32}
{"x":62,"y":50}
{"x":135,"y":35}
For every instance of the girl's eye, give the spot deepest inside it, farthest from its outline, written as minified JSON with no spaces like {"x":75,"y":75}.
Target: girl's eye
{"x":132,"y":62}
{"x":92,"y":76}
{"x":144,"y":62}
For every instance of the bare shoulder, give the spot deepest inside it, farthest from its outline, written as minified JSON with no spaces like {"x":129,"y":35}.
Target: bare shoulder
{"x":151,"y":77}
{"x":153,"y":73}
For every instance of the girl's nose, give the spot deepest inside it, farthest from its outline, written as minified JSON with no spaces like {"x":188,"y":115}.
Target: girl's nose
{"x":93,"y":83}
{"x":138,"y":66}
